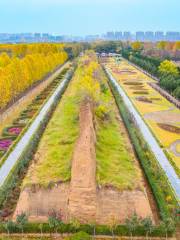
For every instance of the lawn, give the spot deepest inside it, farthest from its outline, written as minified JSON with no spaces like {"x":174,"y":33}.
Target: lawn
{"x":116,"y":163}
{"x":54,"y":155}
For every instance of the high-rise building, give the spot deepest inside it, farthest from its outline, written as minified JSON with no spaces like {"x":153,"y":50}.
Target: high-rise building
{"x":149,"y":36}
{"x":173,"y":36}
{"x":110,"y":35}
{"x":140,"y":36}
{"x":118,"y":35}
{"x":159,"y":36}
{"x":127,"y":36}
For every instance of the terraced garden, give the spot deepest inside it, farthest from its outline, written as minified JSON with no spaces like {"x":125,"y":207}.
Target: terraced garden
{"x":161,"y":116}
{"x":85,"y":158}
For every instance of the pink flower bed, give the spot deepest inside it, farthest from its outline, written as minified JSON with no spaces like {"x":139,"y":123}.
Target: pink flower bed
{"x":4,"y":144}
{"x":15,"y":130}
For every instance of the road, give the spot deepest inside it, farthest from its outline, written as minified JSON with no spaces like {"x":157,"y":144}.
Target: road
{"x":156,"y":149}
{"x":24,"y":141}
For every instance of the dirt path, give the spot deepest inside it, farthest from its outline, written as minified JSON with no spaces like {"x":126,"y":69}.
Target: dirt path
{"x":82,"y":197}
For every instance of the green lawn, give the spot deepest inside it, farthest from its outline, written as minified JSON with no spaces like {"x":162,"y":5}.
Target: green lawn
{"x":115,"y":164}
{"x":57,"y":143}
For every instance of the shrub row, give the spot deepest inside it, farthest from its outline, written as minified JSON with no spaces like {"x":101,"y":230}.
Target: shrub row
{"x":119,"y":230}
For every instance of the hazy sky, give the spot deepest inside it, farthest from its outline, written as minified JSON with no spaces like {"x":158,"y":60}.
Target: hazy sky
{"x":81,"y":17}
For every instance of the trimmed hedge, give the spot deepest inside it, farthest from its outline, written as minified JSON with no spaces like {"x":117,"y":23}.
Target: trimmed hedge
{"x":120,"y":230}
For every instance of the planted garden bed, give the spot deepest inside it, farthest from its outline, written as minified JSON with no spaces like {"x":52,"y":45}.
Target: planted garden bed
{"x":25,"y":117}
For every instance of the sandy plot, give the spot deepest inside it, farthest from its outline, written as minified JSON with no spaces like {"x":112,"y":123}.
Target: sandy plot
{"x":39,"y":202}
{"x":164,"y":116}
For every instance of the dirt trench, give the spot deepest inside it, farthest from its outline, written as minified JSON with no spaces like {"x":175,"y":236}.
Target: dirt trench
{"x":82,"y":196}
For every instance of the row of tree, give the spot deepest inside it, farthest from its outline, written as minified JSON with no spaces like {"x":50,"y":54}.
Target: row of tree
{"x":55,"y":223}
{"x":166,"y":70}
{"x":19,"y":73}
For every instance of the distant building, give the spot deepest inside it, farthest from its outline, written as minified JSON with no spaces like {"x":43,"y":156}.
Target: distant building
{"x":159,"y":36}
{"x":127,"y":36}
{"x":149,"y":36}
{"x":37,"y":35}
{"x":118,"y":35}
{"x":172,"y":36}
{"x":110,"y":36}
{"x":140,"y":36}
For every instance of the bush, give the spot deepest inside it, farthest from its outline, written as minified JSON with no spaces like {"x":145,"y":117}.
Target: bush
{"x":79,"y":236}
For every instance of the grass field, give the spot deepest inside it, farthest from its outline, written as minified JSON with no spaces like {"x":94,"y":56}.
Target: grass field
{"x":151,"y":105}
{"x":115,"y":163}
{"x":53,"y":158}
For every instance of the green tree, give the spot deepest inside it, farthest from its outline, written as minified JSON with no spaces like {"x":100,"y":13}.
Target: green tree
{"x":132,"y":223}
{"x":41,"y":229}
{"x":21,"y":221}
{"x":168,"y":225}
{"x":148,"y":226}
{"x":9,"y":226}
{"x":55,"y":220}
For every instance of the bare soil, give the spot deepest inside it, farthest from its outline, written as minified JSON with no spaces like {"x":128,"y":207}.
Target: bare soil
{"x":167,"y":117}
{"x":82,"y":197}
{"x":134,"y":83}
{"x":143,"y":99}
{"x":39,"y":202}
{"x":140,"y":92}
{"x":169,"y":128}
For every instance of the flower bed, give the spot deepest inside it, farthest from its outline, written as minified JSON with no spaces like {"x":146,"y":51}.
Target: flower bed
{"x":5,"y":143}
{"x":10,"y":133}
{"x":12,"y":130}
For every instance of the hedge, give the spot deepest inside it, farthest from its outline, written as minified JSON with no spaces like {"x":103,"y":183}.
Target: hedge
{"x":120,"y":230}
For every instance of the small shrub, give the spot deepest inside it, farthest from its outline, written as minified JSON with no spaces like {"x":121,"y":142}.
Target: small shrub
{"x":80,"y":236}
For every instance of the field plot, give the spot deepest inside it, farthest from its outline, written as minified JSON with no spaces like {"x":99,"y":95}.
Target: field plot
{"x":85,"y":167}
{"x":162,"y":117}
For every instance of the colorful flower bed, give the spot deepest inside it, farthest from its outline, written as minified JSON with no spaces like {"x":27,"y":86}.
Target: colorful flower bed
{"x":9,"y":134}
{"x":5,"y":144}
{"x":15,"y":130}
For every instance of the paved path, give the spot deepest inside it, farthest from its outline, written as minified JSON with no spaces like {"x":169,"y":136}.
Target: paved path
{"x":24,"y":141}
{"x":156,"y":149}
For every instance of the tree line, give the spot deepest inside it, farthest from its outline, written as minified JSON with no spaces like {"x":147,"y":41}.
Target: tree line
{"x":23,"y":65}
{"x":165,"y":70}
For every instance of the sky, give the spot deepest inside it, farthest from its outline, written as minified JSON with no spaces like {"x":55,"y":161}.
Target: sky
{"x":84,"y":17}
